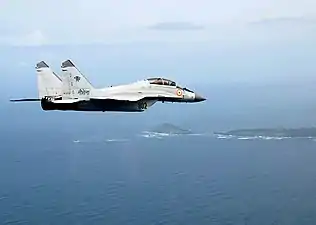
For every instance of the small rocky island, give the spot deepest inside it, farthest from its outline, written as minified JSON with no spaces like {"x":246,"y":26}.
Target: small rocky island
{"x":168,"y":128}
{"x":305,"y":132}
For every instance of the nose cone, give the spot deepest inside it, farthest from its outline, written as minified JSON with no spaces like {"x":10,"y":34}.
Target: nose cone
{"x":199,"y":98}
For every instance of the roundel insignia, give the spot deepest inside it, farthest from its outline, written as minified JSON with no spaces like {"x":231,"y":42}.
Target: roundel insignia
{"x":179,"y":92}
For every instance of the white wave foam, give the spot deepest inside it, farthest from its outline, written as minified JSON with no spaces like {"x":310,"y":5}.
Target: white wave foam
{"x":257,"y":137}
{"x":246,"y":138}
{"x":116,"y":140}
{"x":101,"y":140}
{"x":150,"y":134}
{"x":200,"y":134}
{"x":219,"y":136}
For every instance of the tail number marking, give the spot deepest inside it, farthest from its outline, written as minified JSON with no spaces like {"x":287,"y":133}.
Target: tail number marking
{"x":142,"y":105}
{"x":83,"y":92}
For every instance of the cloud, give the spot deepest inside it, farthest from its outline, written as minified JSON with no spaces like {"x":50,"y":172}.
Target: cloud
{"x":22,"y":38}
{"x":112,"y":22}
{"x":176,"y":26}
{"x":33,"y":38}
{"x":285,"y":21}
{"x":287,"y":28}
{"x":124,"y":20}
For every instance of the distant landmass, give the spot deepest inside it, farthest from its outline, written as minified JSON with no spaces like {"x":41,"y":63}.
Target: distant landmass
{"x":305,"y":132}
{"x":168,"y":128}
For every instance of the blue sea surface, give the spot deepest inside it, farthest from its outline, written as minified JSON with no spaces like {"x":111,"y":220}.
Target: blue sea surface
{"x":97,"y":168}
{"x":60,"y":179}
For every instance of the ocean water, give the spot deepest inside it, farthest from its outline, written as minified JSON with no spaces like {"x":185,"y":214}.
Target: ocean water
{"x":99,"y":168}
{"x":98,"y":178}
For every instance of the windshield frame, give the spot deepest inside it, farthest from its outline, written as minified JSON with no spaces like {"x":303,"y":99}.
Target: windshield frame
{"x":187,"y":89}
{"x":162,"y":81}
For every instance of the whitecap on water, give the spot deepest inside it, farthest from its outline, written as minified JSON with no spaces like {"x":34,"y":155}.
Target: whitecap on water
{"x":116,"y":140}
{"x":100,"y":140}
{"x":250,"y":137}
{"x":149,"y":134}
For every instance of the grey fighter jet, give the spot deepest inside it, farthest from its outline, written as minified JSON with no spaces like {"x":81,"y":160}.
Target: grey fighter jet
{"x":72,"y":91}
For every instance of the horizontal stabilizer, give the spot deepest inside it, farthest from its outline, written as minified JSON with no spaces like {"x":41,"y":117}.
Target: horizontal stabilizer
{"x":25,"y":100}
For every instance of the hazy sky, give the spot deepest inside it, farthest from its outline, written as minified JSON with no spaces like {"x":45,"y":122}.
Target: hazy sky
{"x":79,"y":21}
{"x":198,"y":41}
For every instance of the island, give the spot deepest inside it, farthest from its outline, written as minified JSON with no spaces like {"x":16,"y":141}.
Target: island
{"x":168,"y":128}
{"x":304,"y":132}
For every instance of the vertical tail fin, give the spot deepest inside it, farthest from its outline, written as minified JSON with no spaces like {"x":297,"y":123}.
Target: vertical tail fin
{"x":75,"y":84}
{"x":49,"y":84}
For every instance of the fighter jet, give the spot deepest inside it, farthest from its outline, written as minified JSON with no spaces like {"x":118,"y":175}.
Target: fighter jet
{"x":73,"y":92}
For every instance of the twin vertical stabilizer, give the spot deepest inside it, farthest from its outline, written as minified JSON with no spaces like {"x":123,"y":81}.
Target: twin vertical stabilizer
{"x":71,"y":84}
{"x":75,"y":84}
{"x":49,"y":84}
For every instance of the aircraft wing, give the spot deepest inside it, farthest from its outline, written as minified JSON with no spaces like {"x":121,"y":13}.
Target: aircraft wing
{"x":68,"y":100}
{"x":120,"y":97}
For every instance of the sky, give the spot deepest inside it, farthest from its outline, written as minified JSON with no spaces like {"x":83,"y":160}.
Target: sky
{"x":225,"y":50}
{"x":38,"y":22}
{"x":192,"y":42}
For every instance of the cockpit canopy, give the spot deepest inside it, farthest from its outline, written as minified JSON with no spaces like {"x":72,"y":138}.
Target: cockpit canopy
{"x":166,"y":82}
{"x":162,"y":81}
